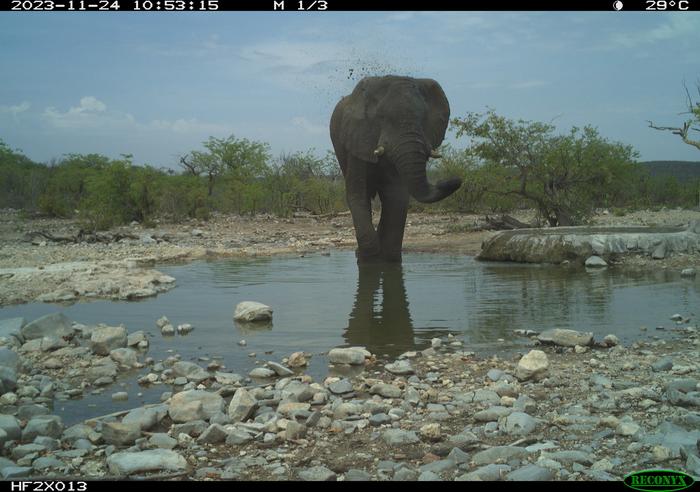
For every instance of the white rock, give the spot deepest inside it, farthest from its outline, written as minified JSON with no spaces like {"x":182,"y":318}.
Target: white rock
{"x":127,"y":463}
{"x":346,"y":356}
{"x":532,"y":366}
{"x":595,"y":261}
{"x":252,"y":311}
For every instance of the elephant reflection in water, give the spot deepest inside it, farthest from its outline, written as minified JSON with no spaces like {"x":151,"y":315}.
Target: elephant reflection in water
{"x":388,"y":329}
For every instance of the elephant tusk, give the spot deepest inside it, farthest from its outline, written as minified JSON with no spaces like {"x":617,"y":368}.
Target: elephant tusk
{"x":379,"y":151}
{"x":435,"y":155}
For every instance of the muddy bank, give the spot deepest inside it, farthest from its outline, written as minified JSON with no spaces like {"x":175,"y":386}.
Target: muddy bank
{"x":444,"y":413}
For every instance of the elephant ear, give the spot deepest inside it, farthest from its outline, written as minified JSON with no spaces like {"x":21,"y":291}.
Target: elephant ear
{"x":438,"y":116}
{"x":357,"y":124}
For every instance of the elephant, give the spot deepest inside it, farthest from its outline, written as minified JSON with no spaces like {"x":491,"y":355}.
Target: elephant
{"x":383,"y":134}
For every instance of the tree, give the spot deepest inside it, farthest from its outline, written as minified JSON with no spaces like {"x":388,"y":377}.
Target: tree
{"x":240,"y":158}
{"x":564,"y":176}
{"x":694,"y":112}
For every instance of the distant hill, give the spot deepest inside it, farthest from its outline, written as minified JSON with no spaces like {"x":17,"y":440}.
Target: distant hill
{"x":680,"y":169}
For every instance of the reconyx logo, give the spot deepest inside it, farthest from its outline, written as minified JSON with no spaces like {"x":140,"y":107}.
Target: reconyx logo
{"x":658,"y":480}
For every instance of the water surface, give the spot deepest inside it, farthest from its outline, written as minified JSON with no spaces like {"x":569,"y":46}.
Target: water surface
{"x":322,"y":302}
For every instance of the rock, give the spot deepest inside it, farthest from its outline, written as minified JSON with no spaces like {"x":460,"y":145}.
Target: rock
{"x":8,"y":379}
{"x":12,"y":327}
{"x":692,"y":465}
{"x":519,"y":424}
{"x":191,"y":371}
{"x":385,"y":390}
{"x":12,"y":472}
{"x":55,"y":325}
{"x":125,"y":357}
{"x":44,"y":425}
{"x":488,"y":473}
{"x":167,"y":330}
{"x":492,"y":414}
{"x":279,"y":369}
{"x":346,"y":356}
{"x":611,"y":340}
{"x":10,"y":425}
{"x":301,"y":392}
{"x":595,"y":261}
{"x":193,"y":428}
{"x":569,"y":456}
{"x":398,"y":437}
{"x":262,"y":373}
{"x":252,"y":311}
{"x":662,"y":364}
{"x":241,"y":406}
{"x":162,"y":441}
{"x":627,"y":428}
{"x":340,"y":387}
{"x":146,"y":418}
{"x":291,"y":407}
{"x":194,"y":405}
{"x":429,"y":476}
{"x":9,"y":359}
{"x":107,"y":338}
{"x":400,"y":368}
{"x":184,"y":328}
{"x":294,"y":430}
{"x":297,"y":359}
{"x":120,"y":396}
{"x":47,"y":462}
{"x":532,"y":366}
{"x":499,"y":454}
{"x":162,"y":321}
{"x":530,"y":473}
{"x":120,"y":434}
{"x":214,"y":434}
{"x":135,"y":338}
{"x":659,"y":252}
{"x":317,"y":474}
{"x":688,"y":272}
{"x":238,"y":437}
{"x":127,"y":463}
{"x":355,"y":475}
{"x":431,"y":432}
{"x":565,"y":338}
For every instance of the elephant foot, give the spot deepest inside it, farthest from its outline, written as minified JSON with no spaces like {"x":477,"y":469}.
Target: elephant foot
{"x":365,"y":258}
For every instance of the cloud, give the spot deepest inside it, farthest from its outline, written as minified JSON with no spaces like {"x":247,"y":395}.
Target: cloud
{"x":93,"y":114}
{"x":90,"y":113}
{"x":16,"y":109}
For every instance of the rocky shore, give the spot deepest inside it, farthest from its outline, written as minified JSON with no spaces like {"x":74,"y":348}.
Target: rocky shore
{"x":567,"y":408}
{"x":571,"y":408}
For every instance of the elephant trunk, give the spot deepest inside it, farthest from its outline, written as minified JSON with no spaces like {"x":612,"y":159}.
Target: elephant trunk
{"x":410,"y":160}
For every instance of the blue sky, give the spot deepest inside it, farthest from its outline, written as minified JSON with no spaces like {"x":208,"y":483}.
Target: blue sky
{"x":158,"y":84}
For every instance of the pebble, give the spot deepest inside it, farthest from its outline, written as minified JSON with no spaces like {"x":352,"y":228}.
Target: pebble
{"x":398,"y":437}
{"x":530,"y":473}
{"x":317,"y":474}
{"x":346,"y":356}
{"x":400,"y":367}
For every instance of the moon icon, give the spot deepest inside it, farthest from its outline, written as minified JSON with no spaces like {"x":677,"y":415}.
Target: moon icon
{"x":617,"y":5}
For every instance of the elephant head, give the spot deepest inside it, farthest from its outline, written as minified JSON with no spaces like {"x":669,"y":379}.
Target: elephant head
{"x":400,"y":120}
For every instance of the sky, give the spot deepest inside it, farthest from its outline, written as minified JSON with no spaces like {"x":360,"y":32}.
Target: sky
{"x":157,"y":85}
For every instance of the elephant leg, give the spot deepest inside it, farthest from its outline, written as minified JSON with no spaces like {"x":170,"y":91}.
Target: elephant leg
{"x":394,"y":197}
{"x":360,"y":189}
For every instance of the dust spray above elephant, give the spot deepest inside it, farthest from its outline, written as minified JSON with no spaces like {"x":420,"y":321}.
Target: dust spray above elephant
{"x":383,"y":135}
